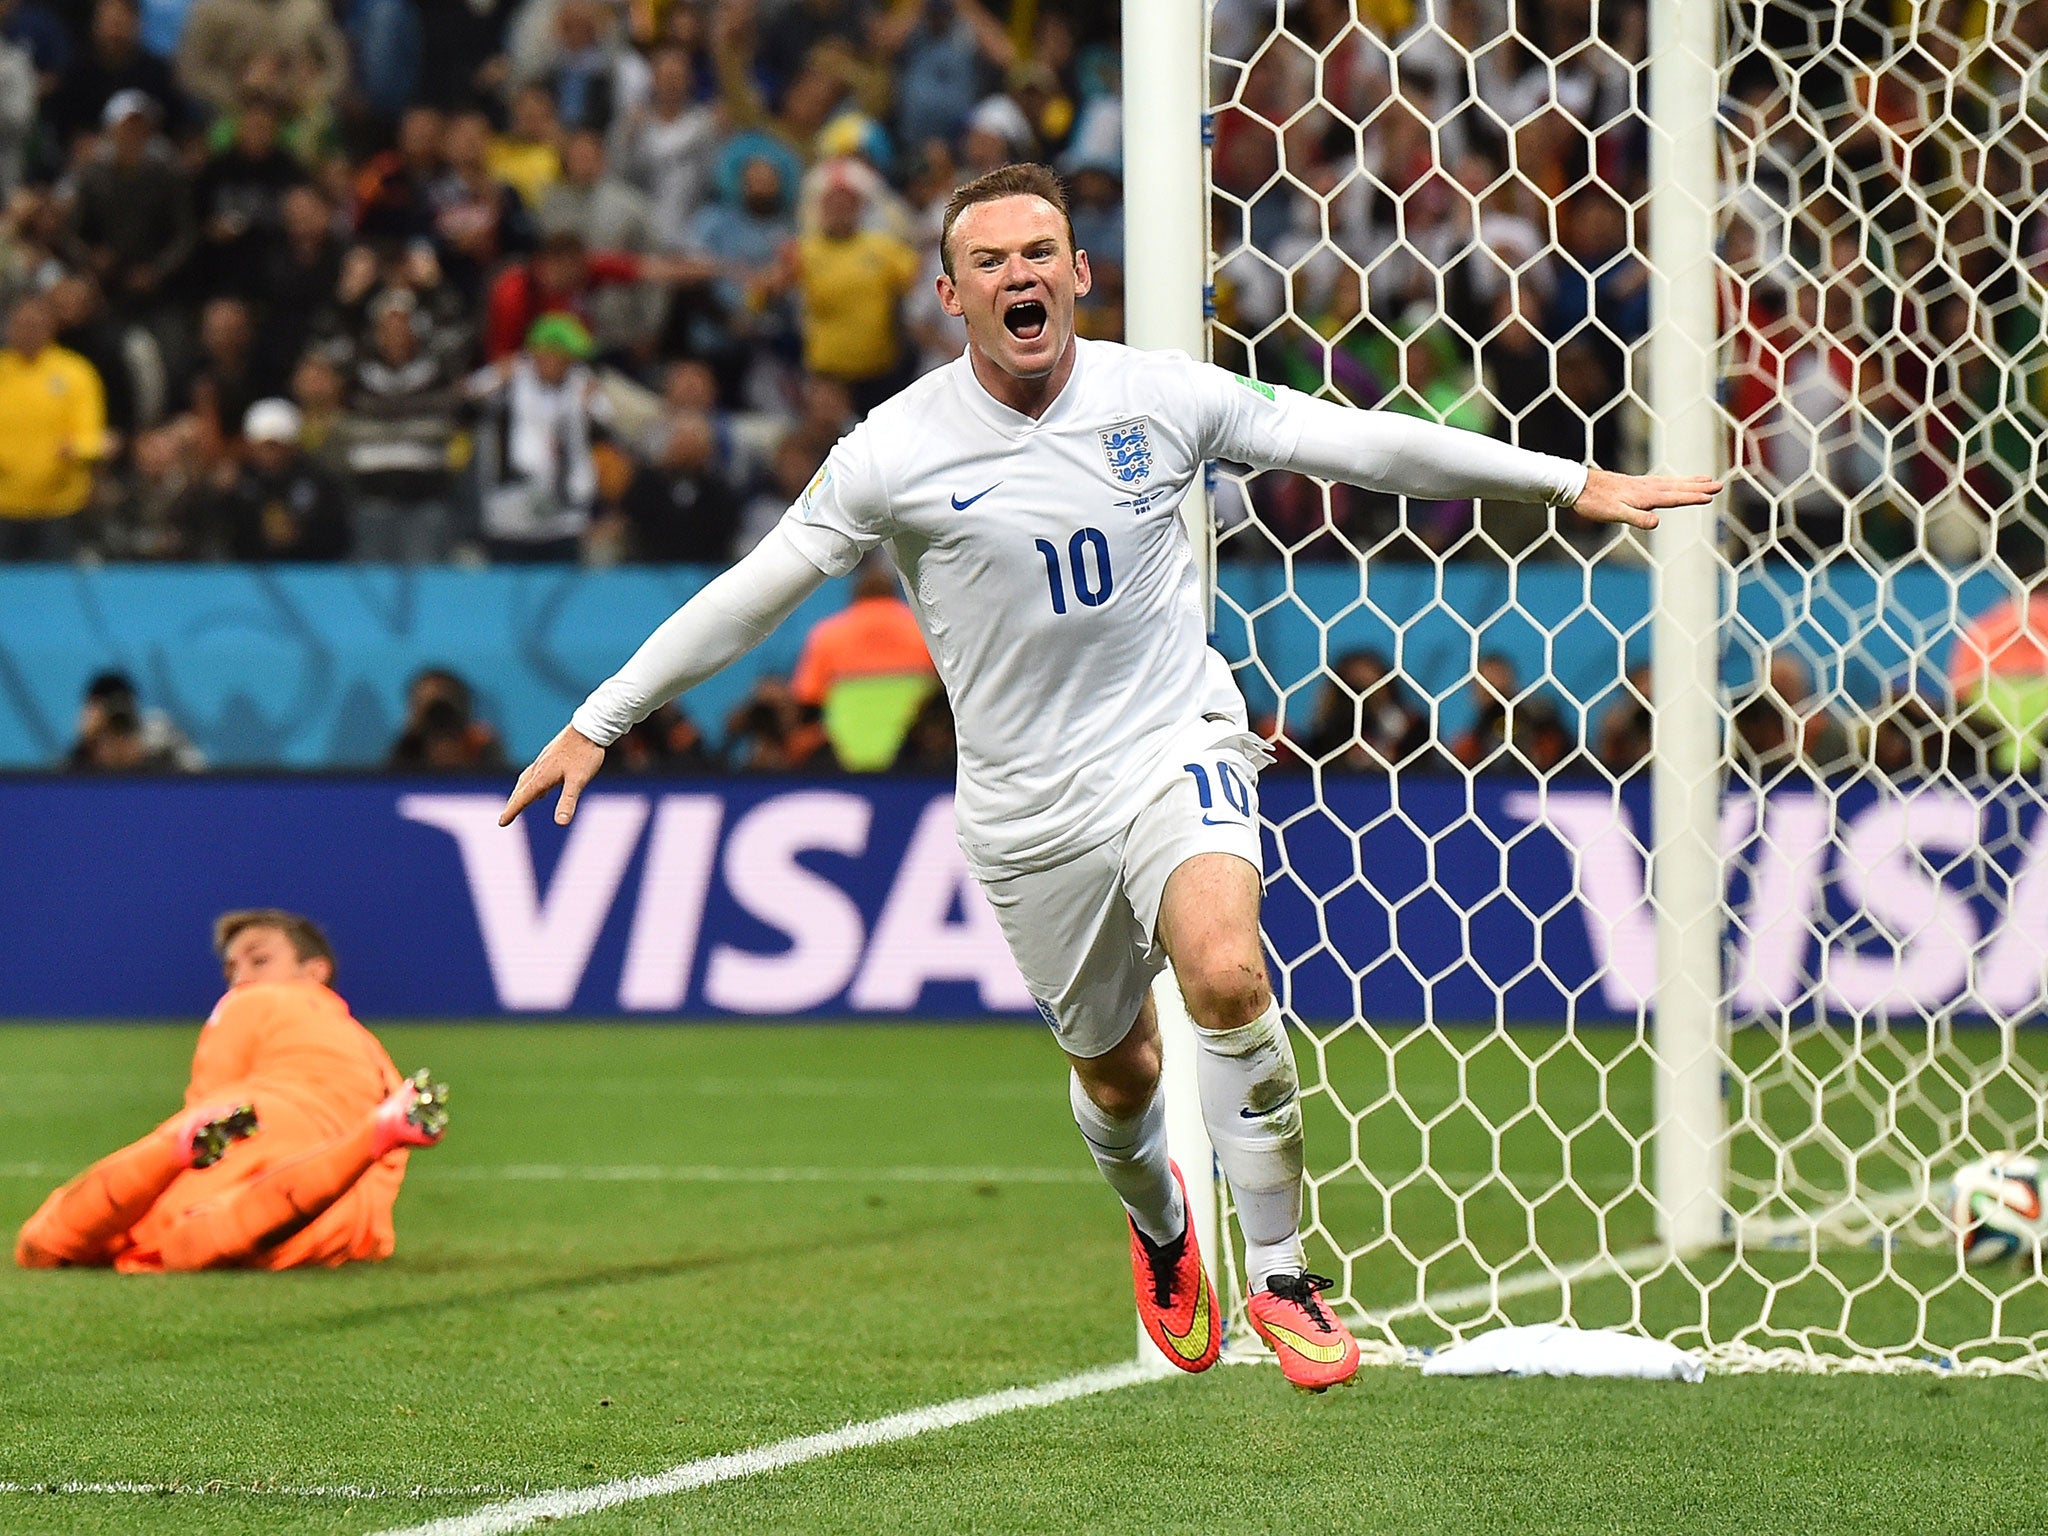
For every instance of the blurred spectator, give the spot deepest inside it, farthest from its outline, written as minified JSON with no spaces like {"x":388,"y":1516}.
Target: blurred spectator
{"x":290,"y":46}
{"x":461,"y":51}
{"x":790,"y":470}
{"x":866,"y":671}
{"x":320,"y":391}
{"x":680,"y":508}
{"x":1998,"y":675}
{"x":478,"y":218}
{"x":55,"y":432}
{"x":527,"y":156}
{"x":931,"y":744}
{"x":301,"y":273}
{"x":741,"y":235}
{"x":535,"y":468}
{"x":132,"y":225}
{"x":1542,"y":739}
{"x":85,"y":327}
{"x":1908,"y":739}
{"x":233,"y":375}
{"x":398,"y":441}
{"x":1780,"y":725}
{"x":667,"y":741}
{"x":665,"y":148}
{"x":770,"y":732}
{"x":943,"y":50}
{"x":115,"y":733}
{"x":19,"y":96}
{"x":112,"y":61}
{"x":852,"y":283}
{"x":280,"y":504}
{"x":395,"y":191}
{"x":39,"y":32}
{"x":1098,"y":211}
{"x":1493,"y":688}
{"x":238,"y":199}
{"x":563,"y":276}
{"x":606,"y":213}
{"x":1625,"y":738}
{"x":579,"y":67}
{"x":1363,"y":721}
{"x":441,"y":733}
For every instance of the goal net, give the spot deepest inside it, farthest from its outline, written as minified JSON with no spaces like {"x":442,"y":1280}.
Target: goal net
{"x":1445,"y":207}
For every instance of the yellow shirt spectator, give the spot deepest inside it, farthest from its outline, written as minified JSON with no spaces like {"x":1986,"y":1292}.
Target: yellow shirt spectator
{"x":53,"y":426}
{"x":852,"y":281}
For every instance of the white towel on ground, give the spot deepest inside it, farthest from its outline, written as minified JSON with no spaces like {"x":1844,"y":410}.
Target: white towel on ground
{"x":1554,"y":1349}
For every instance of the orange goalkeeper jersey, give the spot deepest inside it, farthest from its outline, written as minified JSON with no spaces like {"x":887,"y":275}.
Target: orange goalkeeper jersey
{"x":294,"y":1051}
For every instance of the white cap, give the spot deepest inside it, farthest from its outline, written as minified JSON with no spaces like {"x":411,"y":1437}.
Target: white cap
{"x":272,"y":421}
{"x":126,"y":104}
{"x":1002,"y":117}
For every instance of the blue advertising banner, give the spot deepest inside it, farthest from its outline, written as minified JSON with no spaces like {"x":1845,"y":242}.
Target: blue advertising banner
{"x":306,"y":666}
{"x":772,"y":897}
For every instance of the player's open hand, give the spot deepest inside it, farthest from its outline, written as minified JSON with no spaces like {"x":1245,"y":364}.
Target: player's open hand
{"x":1636,"y":499}
{"x":570,"y":760}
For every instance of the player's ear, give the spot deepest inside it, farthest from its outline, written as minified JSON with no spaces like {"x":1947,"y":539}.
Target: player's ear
{"x":949,"y":296}
{"x":319,"y":968}
{"x":1083,"y":278}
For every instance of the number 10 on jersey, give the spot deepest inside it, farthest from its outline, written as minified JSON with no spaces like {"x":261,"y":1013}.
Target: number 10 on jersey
{"x":1093,"y":590}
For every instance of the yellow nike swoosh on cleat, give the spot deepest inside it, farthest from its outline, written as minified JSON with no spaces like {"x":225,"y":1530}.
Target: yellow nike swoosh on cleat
{"x":1193,"y":1344}
{"x":1322,"y":1354}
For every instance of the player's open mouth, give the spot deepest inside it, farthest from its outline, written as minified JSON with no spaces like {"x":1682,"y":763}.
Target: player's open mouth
{"x":1026,"y":320}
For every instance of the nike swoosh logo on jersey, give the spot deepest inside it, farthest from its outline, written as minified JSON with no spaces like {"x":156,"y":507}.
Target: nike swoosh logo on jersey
{"x":1222,"y":821}
{"x":961,"y":506}
{"x":1193,"y":1344}
{"x":1322,"y":1354}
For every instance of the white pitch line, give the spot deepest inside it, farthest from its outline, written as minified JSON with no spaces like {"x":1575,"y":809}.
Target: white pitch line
{"x":567,"y":1503}
{"x":215,"y":1487}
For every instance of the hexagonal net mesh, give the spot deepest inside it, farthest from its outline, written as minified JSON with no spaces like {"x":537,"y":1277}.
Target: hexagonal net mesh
{"x":1439,"y":207}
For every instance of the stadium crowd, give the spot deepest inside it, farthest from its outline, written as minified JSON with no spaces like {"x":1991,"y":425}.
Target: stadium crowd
{"x":602,"y":280}
{"x":413,"y":280}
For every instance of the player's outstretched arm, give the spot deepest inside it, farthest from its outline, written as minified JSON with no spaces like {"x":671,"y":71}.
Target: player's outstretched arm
{"x":1636,"y":499}
{"x":1385,"y":451}
{"x":734,"y":612}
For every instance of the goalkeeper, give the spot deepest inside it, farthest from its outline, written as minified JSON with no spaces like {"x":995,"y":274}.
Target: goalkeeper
{"x":291,"y":1145}
{"x":1107,"y":803}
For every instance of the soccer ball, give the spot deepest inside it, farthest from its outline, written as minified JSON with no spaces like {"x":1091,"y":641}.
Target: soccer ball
{"x":1995,"y":1207}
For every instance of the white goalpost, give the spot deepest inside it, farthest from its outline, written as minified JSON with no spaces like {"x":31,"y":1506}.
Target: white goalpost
{"x":1673,"y":925}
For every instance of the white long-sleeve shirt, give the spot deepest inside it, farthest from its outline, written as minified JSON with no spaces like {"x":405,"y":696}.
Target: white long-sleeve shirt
{"x":1049,"y":570}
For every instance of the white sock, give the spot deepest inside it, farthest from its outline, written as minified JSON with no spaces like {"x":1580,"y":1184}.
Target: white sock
{"x":1132,"y":1156}
{"x":1251,"y":1101}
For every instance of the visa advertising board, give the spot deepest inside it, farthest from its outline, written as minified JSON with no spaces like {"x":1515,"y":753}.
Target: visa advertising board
{"x":768,"y":898}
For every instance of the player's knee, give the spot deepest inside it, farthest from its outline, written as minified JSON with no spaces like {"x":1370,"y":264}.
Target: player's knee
{"x":1225,"y":990}
{"x":1122,"y":1083}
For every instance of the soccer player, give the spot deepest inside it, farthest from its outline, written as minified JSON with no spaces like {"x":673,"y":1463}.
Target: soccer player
{"x":1107,"y":800}
{"x":291,"y":1145}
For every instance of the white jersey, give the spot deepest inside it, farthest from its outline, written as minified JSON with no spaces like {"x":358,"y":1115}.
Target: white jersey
{"x":1048,"y":567}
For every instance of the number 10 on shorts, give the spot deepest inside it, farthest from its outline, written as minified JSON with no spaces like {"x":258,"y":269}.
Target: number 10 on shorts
{"x":1237,"y":794}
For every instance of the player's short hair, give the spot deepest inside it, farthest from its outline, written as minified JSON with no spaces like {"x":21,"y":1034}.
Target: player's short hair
{"x":1024,"y":179}
{"x":302,"y":933}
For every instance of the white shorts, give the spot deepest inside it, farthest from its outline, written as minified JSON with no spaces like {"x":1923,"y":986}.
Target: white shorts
{"x":1085,"y":934}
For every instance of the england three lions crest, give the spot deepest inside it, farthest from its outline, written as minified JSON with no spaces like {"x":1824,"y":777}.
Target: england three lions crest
{"x":1128,"y":450}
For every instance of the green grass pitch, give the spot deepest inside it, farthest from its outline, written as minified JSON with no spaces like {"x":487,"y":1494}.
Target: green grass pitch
{"x":547,"y":1323}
